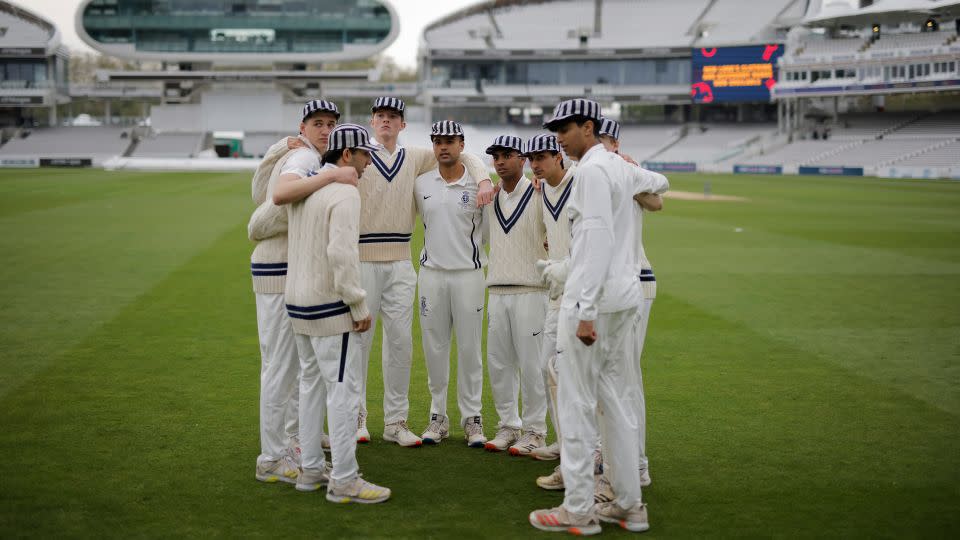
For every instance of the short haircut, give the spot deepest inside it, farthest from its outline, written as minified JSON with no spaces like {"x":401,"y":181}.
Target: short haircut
{"x":581,"y":120}
{"x":318,"y":112}
{"x":461,"y":137}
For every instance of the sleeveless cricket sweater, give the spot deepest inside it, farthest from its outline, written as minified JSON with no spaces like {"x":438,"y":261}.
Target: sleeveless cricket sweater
{"x":517,"y":233}
{"x":388,"y":210}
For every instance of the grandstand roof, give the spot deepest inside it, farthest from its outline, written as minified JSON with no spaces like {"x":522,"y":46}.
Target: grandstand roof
{"x":238,"y":32}
{"x":26,"y":30}
{"x":846,"y":12}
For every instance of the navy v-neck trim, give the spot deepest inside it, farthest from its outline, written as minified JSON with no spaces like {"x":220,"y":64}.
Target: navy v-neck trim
{"x":507,"y":224}
{"x":389,"y":173}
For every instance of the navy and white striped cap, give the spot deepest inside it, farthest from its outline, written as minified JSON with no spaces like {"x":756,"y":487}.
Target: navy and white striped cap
{"x":446,"y":128}
{"x":350,"y":136}
{"x":509,"y":142}
{"x":611,"y":128}
{"x":315,"y":105}
{"x":545,"y":142}
{"x":573,"y":108}
{"x":385,"y":102}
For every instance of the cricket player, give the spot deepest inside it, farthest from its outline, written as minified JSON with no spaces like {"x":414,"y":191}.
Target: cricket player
{"x":325,"y":301}
{"x":518,"y":303}
{"x":388,"y":214}
{"x":556,"y":184}
{"x":595,"y":330}
{"x":451,"y":284}
{"x":647,"y":202}
{"x":279,"y":458}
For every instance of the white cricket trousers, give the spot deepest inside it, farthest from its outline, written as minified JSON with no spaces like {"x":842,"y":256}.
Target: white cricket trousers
{"x":641,"y":331}
{"x":514,"y":337}
{"x":605,"y":374}
{"x":548,"y":363}
{"x":279,"y":370}
{"x":330,"y":379}
{"x":452,"y":300}
{"x":390,"y":288}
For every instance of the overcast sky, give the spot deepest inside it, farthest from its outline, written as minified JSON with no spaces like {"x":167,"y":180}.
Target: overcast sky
{"x":414,"y":16}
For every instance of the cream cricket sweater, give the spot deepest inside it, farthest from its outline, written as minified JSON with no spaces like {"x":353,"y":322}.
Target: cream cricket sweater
{"x":556,"y":220}
{"x":516,"y":240}
{"x":268,"y":225}
{"x":324,"y":295}
{"x":389,"y":211}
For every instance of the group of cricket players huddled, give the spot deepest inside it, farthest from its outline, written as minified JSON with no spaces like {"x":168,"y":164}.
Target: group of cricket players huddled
{"x":569,"y":286}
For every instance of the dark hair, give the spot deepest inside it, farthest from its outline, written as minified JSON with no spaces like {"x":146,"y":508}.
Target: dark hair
{"x":336,"y":117}
{"x":331,"y":156}
{"x":581,"y":120}
{"x":462,"y":139}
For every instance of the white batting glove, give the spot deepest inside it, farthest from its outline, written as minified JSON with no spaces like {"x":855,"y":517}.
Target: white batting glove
{"x":554,"y":274}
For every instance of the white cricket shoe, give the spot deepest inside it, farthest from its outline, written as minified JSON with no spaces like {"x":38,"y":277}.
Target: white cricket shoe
{"x":552,"y":481}
{"x":504,"y":438}
{"x":473,"y":432}
{"x":399,"y":433}
{"x":284,"y":469}
{"x":645,"y":478}
{"x":313,"y":479}
{"x":550,"y":452}
{"x":363,"y":436}
{"x":559,"y":520}
{"x":437,"y":430}
{"x":528,"y":442}
{"x":357,"y":490}
{"x":602,"y":490}
{"x":634,"y":519}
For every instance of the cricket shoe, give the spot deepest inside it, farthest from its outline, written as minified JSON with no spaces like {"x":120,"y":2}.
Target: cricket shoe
{"x":294,"y":453}
{"x":399,"y":433}
{"x":357,"y":490}
{"x":559,"y":520}
{"x":363,"y":435}
{"x":284,"y":469}
{"x":634,"y":520}
{"x":325,"y":443}
{"x":473,"y":432}
{"x":313,"y":479}
{"x":645,"y":478}
{"x":437,"y":430}
{"x":505,"y":437}
{"x":550,"y":452}
{"x":528,"y":442}
{"x":602,"y":490}
{"x":552,"y":481}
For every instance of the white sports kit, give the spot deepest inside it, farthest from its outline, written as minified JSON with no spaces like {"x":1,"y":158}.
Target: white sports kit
{"x":452,"y":288}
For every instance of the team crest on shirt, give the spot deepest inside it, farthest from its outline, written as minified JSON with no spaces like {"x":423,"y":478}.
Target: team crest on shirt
{"x":424,"y":310}
{"x":464,"y":200}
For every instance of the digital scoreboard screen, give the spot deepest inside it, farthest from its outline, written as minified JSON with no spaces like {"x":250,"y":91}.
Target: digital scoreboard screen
{"x":734,"y":74}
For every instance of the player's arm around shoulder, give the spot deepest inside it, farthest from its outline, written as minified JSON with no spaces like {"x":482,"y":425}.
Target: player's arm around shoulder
{"x":300,"y":178}
{"x":343,"y":252}
{"x":267,"y":221}
{"x":261,"y":177}
{"x":478,"y":170}
{"x":646,"y":181}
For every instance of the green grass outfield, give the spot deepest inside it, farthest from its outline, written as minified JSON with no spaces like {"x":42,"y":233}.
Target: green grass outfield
{"x":802,"y":374}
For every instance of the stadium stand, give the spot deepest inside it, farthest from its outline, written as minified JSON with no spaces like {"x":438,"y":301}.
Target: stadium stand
{"x":169,"y":145}
{"x":98,"y":143}
{"x":738,"y":22}
{"x":713,"y":143}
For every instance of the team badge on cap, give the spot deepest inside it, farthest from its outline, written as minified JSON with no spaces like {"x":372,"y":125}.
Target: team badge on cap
{"x":350,"y":136}
{"x":446,"y":128}
{"x":315,"y":105}
{"x":545,"y":142}
{"x":508,"y":142}
{"x":610,"y":128}
{"x":388,"y":103}
{"x":573,"y":108}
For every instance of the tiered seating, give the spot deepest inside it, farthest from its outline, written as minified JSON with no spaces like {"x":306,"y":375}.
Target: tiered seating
{"x":944,"y":156}
{"x":713,"y":143}
{"x":94,"y":142}
{"x":169,"y":145}
{"x":924,"y":40}
{"x":857,"y":127}
{"x":256,"y":144}
{"x":738,"y":21}
{"x":791,"y":154}
{"x":936,"y":125}
{"x":872,"y":153}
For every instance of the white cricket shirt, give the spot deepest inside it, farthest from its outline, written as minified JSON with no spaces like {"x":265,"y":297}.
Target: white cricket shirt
{"x":452,"y":223}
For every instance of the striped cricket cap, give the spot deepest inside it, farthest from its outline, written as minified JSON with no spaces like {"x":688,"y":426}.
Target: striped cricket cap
{"x":446,"y":128}
{"x":350,"y":136}
{"x":545,"y":142}
{"x":385,"y":102}
{"x":315,"y":105}
{"x":611,"y":128}
{"x":509,"y":142}
{"x":573,"y":108}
